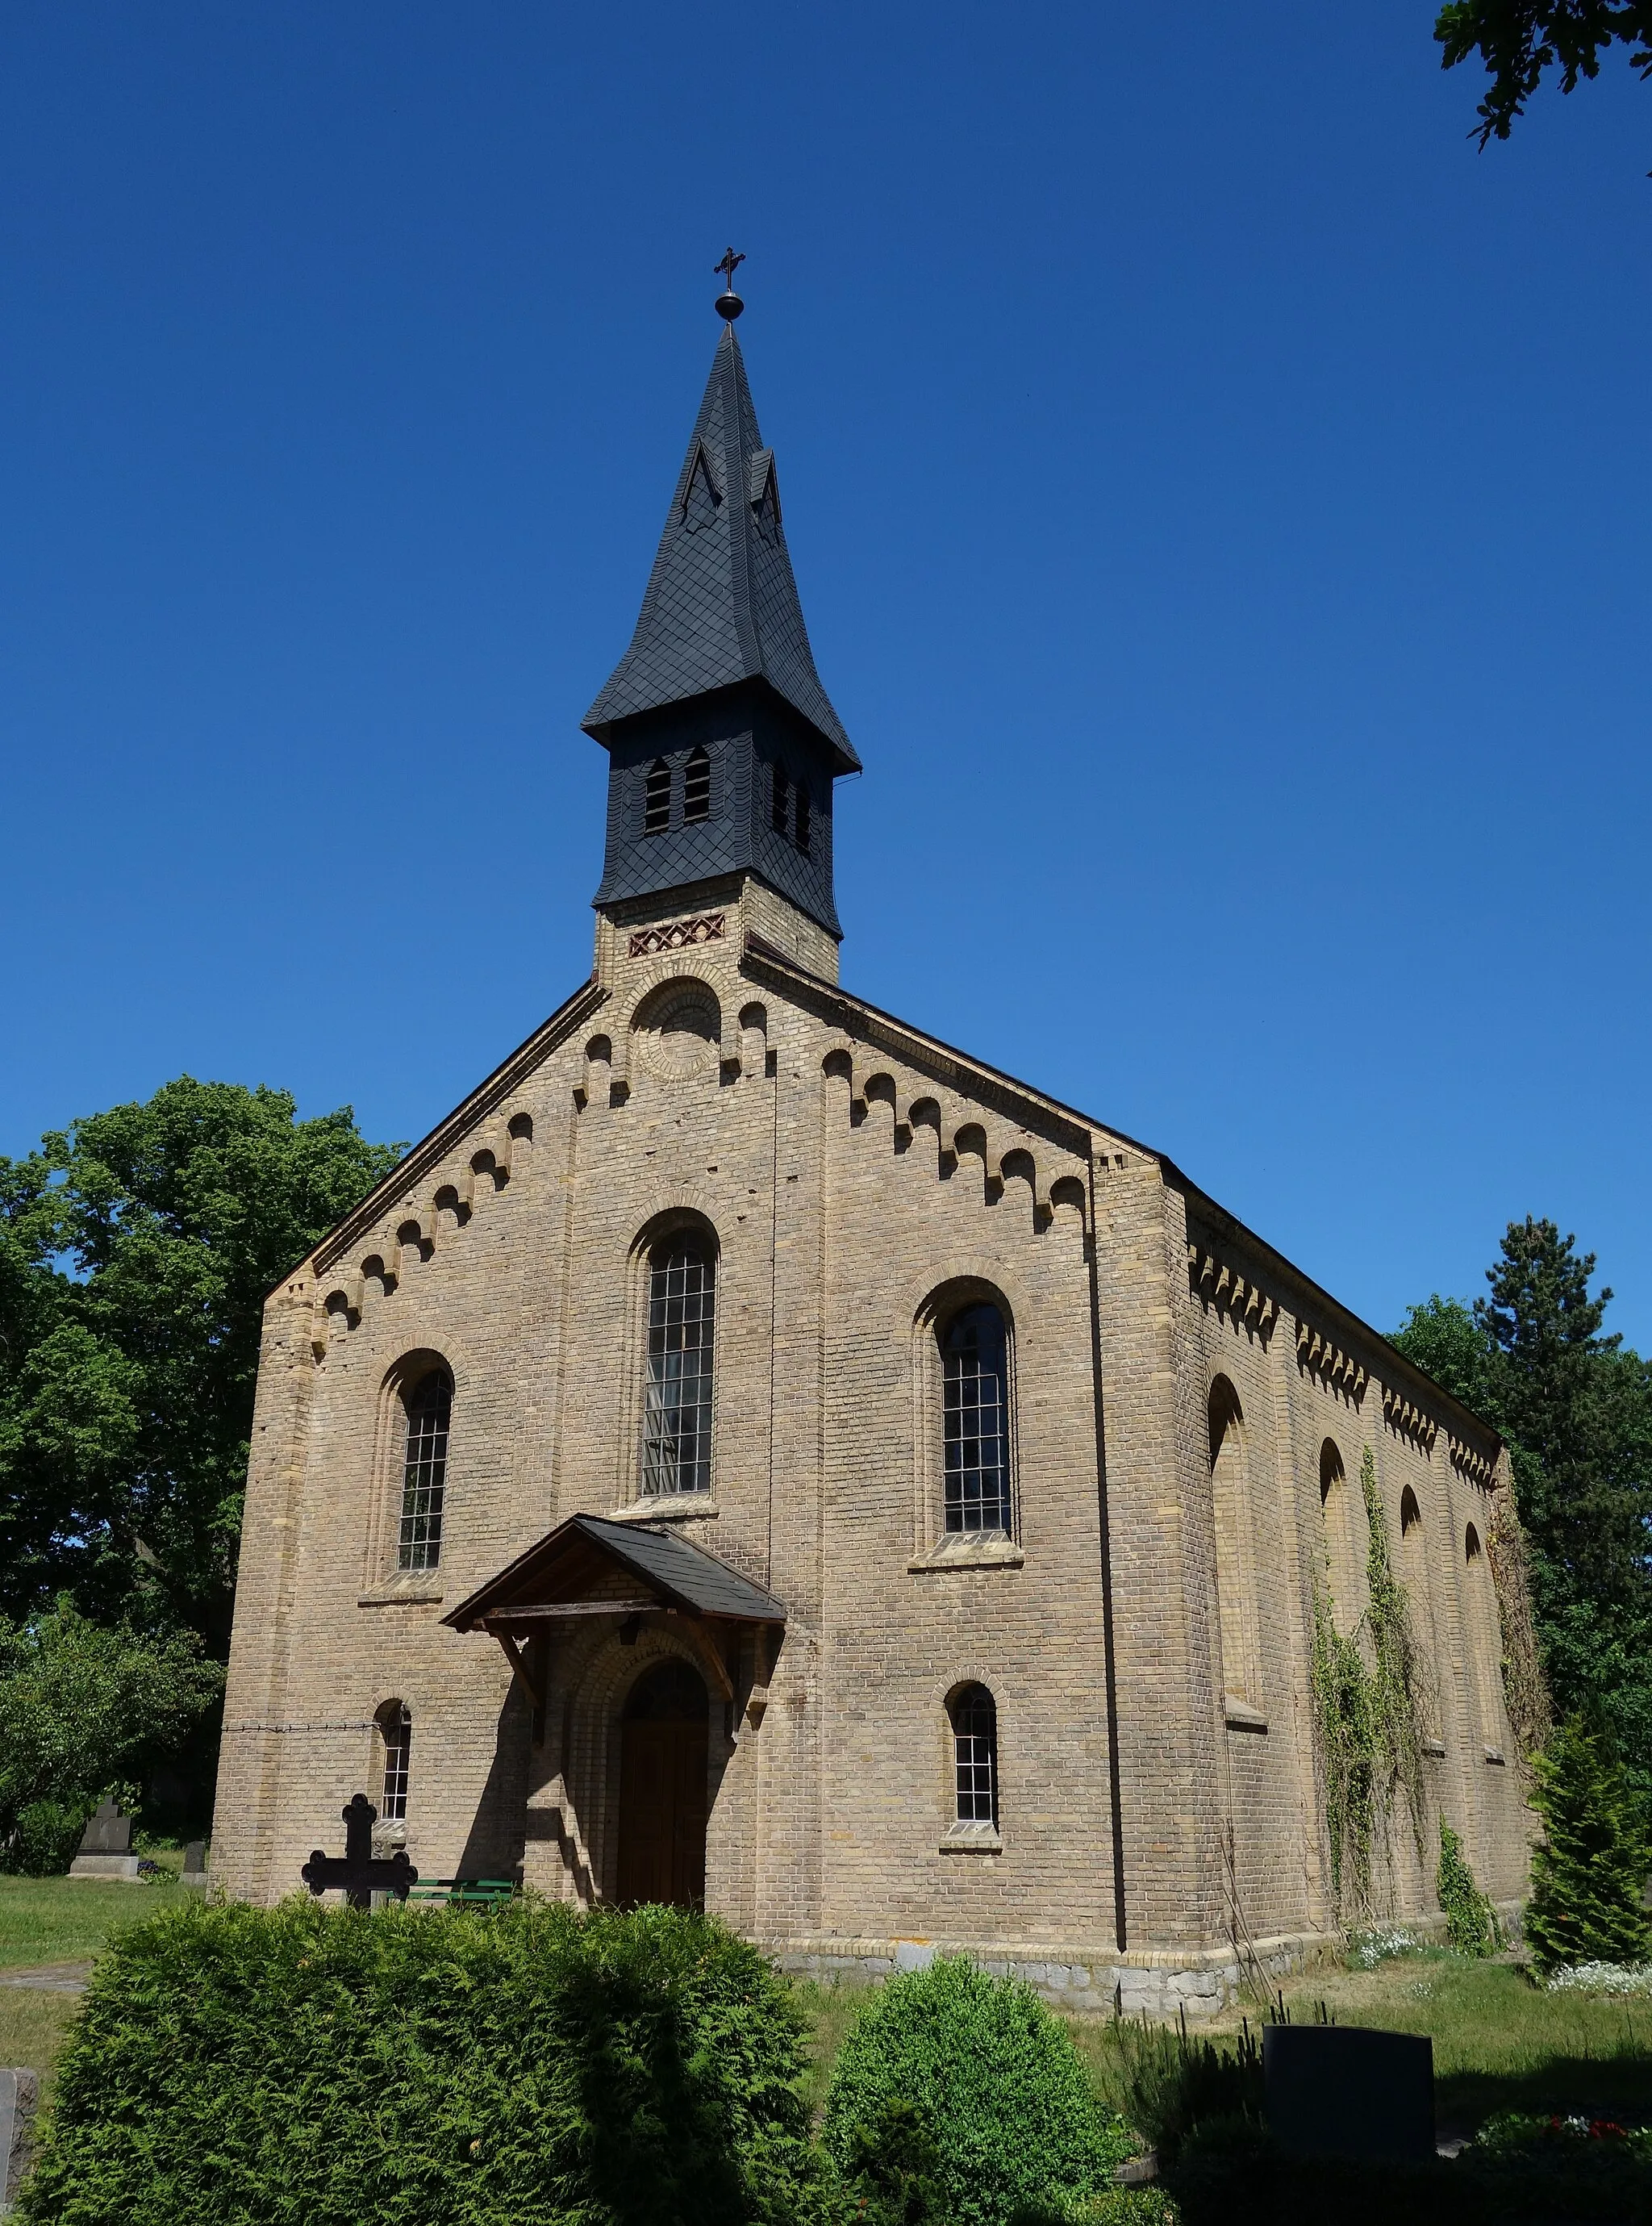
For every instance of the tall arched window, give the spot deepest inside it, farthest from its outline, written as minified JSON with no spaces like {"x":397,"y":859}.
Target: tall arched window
{"x":1230,"y":1506}
{"x":682,"y":1322}
{"x":696,"y":786}
{"x":974,"y":1406}
{"x":395,"y":1729}
{"x":801,"y":822}
{"x":424,"y":1471}
{"x":779,"y":801}
{"x":657,"y":798}
{"x":974,"y":1748}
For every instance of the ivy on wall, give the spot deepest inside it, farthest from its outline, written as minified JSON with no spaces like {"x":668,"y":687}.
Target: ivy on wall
{"x":1369,"y":1703}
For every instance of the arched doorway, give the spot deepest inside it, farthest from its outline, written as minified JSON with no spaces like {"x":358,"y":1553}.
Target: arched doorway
{"x":662,"y":1789}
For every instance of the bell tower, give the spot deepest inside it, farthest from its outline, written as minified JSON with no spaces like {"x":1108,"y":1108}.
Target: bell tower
{"x":723,"y":745}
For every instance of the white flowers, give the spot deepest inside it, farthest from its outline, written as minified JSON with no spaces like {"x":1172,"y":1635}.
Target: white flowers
{"x":1603,"y":1979}
{"x":1367,"y":1949}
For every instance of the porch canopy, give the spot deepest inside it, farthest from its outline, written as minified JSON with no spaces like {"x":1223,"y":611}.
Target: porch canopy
{"x":589,"y":1566}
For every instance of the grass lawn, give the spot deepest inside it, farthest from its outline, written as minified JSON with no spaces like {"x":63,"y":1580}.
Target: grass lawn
{"x":1500,"y":2043}
{"x":33,"y":2028}
{"x":67,"y":1921}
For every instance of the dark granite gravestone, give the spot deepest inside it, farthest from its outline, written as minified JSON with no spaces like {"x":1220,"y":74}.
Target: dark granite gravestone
{"x":357,"y":1871}
{"x":194,"y":1863}
{"x":1336,"y":2090}
{"x":105,"y":1846}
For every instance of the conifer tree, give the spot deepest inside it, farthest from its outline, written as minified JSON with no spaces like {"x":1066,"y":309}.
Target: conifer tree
{"x":1588,"y":1874}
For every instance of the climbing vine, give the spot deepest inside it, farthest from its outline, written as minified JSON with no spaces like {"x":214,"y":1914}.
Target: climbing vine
{"x":1370,"y":1703}
{"x":1525,"y":1689}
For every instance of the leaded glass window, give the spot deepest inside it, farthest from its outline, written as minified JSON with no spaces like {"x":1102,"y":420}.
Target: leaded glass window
{"x":396,"y":1724}
{"x":681,"y":1320}
{"x":974,"y":1740}
{"x":975,"y":1361}
{"x":424,"y":1472}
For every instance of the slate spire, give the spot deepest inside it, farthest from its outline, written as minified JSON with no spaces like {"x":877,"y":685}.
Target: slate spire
{"x":722,"y":605}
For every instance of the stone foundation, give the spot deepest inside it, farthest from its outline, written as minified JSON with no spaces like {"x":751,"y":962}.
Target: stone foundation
{"x":1160,"y":1982}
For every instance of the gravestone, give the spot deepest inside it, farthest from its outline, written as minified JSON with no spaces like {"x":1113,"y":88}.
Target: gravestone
{"x":194,"y":1863}
{"x":357,"y":1871}
{"x":106,"y":1846}
{"x":19,"y":2100}
{"x":1337,"y":2090}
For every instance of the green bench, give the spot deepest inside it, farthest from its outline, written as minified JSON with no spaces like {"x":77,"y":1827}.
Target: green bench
{"x":489,"y":1892}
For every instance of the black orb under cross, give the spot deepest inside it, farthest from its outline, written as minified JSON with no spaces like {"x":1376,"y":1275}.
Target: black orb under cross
{"x":358,"y":1870}
{"x":729,"y":304}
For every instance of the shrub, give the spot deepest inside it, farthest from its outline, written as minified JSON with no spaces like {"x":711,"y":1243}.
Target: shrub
{"x":1471,"y":1921}
{"x":83,"y":1707}
{"x":996,"y":2079}
{"x":44,"y":1837}
{"x":1587,"y":1874}
{"x":429,"y":2067}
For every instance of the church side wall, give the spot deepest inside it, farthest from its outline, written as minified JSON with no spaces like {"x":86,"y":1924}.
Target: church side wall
{"x":1308,"y":1408}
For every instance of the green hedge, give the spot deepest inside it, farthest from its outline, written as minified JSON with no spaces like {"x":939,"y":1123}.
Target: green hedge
{"x":988,"y":2097}
{"x":314,"y":2065}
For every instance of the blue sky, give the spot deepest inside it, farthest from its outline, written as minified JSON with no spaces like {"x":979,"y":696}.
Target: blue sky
{"x":1219,"y":497}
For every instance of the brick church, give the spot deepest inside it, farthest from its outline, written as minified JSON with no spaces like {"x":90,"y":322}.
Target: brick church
{"x":753,"y":1453}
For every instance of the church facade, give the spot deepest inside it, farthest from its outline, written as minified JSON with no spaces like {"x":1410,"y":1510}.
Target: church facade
{"x":753,"y":1453}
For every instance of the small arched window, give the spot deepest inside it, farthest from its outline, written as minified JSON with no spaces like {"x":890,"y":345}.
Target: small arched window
{"x":974,"y":1748}
{"x":975,"y":1406}
{"x":1470,"y":1544}
{"x":395,"y":1729}
{"x":696,"y":786}
{"x":682,"y":1323}
{"x":424,"y":1470}
{"x":1410,"y":1513}
{"x":657,"y":798}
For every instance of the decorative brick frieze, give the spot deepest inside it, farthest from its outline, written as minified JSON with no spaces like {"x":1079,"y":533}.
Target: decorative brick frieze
{"x":1407,"y":1419}
{"x":1322,"y":1356}
{"x":1227,"y":1291}
{"x":679,"y":934}
{"x":1469,"y":1461}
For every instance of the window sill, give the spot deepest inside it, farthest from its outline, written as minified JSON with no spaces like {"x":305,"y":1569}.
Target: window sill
{"x":416,"y":1589}
{"x":669,"y":1507}
{"x":972,"y":1840}
{"x":1240,"y":1716}
{"x":970,"y":1550}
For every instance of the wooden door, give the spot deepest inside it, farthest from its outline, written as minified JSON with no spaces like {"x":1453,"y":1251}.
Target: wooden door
{"x":662,"y":1790}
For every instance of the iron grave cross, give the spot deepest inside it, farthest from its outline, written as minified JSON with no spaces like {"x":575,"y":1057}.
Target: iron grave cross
{"x":358,"y":1870}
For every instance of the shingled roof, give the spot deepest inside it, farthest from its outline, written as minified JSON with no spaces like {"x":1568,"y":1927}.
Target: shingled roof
{"x":721,"y":604}
{"x":571,"y":1562}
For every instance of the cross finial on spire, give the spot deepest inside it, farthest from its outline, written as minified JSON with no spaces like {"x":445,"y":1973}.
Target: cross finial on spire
{"x":729,"y":304}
